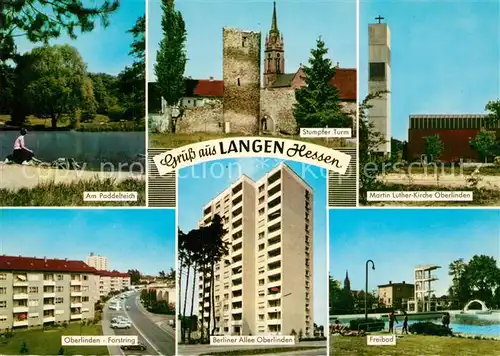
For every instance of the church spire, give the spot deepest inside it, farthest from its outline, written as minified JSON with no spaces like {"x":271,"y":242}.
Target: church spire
{"x":274,"y":25}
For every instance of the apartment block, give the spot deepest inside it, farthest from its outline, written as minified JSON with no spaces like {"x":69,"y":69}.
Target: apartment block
{"x":112,"y":282}
{"x":98,"y":262}
{"x":36,"y":291}
{"x":265,"y":284}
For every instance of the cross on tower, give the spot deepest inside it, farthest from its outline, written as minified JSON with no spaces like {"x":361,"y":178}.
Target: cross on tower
{"x":379,"y":19}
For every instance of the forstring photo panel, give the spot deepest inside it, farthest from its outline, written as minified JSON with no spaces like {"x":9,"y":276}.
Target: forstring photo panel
{"x":252,"y":256}
{"x":106,"y":288}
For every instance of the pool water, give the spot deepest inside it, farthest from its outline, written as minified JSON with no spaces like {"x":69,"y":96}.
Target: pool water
{"x":492,"y":330}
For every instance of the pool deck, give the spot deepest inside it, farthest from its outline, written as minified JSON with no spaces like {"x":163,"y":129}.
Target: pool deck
{"x":14,"y":177}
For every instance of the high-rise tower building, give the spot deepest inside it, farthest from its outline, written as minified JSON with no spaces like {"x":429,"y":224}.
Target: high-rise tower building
{"x":98,"y":262}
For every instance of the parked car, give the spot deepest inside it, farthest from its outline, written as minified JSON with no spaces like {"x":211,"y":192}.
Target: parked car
{"x":120,"y":325}
{"x":123,"y":319}
{"x":139,"y":346}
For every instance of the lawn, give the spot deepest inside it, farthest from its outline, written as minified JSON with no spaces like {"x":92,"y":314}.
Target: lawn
{"x":412,"y":345}
{"x":168,"y":140}
{"x":100,"y":123}
{"x":481,"y":196}
{"x":71,"y":194}
{"x":257,"y":351}
{"x":48,"y":342}
{"x":485,"y":171}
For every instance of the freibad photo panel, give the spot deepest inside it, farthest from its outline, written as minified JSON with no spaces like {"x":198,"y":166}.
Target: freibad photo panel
{"x":431,"y":128}
{"x":252,"y":257}
{"x":247,"y":70}
{"x":87,"y":282}
{"x":429,"y":288}
{"x":72,"y":103}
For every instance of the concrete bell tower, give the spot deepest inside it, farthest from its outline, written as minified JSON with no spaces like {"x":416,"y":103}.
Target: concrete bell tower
{"x":379,"y":79}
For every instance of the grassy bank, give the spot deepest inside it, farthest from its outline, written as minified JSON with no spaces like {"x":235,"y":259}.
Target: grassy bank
{"x":71,"y":194}
{"x":99,"y":124}
{"x":481,"y":196}
{"x":157,"y":140}
{"x":274,"y":350}
{"x":458,"y":171}
{"x":48,"y":341}
{"x":412,"y":345}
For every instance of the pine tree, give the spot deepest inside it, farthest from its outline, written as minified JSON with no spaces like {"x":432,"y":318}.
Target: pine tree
{"x":318,"y":103}
{"x":171,"y":60}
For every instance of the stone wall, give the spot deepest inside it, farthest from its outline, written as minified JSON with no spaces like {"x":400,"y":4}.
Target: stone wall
{"x":207,"y":118}
{"x":241,"y":73}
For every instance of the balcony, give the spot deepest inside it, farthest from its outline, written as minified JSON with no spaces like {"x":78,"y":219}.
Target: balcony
{"x":273,"y":321}
{"x":76,"y":305}
{"x":49,"y":295}
{"x":20,"y":323}
{"x":76,"y":293}
{"x":274,"y":259}
{"x":237,"y":322}
{"x":49,"y":282}
{"x":76,"y":282}
{"x":237,"y":299}
{"x":20,"y":309}
{"x":49,"y":319}
{"x":275,"y":296}
{"x":76,"y":316}
{"x":274,"y":284}
{"x":273,"y":184}
{"x":19,"y":283}
{"x":49,"y":307}
{"x":20,"y":296}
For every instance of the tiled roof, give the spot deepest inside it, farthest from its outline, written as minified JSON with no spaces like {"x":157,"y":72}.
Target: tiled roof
{"x":204,"y":88}
{"x":19,"y":263}
{"x":345,"y":81}
{"x":450,"y":116}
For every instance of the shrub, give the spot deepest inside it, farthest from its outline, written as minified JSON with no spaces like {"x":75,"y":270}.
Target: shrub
{"x":24,"y":349}
{"x":370,"y":324}
{"x":496,"y":161}
{"x":319,"y":338}
{"x":61,"y":351}
{"x":428,"y":328}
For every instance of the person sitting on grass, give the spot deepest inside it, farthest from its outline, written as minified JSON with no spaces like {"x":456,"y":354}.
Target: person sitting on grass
{"x":21,"y":154}
{"x":344,"y":331}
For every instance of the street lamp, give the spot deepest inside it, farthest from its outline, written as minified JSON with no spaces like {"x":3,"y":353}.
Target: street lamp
{"x":366,"y":286}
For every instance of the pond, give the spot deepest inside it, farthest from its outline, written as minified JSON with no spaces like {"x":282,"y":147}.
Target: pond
{"x":98,"y":150}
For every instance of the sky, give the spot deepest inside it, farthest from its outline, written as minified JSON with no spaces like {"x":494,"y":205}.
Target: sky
{"x":130,"y":238}
{"x":301,"y":23}
{"x":445,"y":56}
{"x":399,"y":240}
{"x":105,"y":50}
{"x":200,"y":183}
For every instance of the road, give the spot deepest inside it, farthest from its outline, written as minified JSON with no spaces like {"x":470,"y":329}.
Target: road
{"x":152,"y":330}
{"x":194,"y":350}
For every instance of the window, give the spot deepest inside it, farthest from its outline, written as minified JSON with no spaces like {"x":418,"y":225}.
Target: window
{"x":3,"y":276}
{"x":3,"y":290}
{"x":3,"y":318}
{"x":261,"y":211}
{"x":60,"y":277}
{"x":261,"y":247}
{"x":3,"y":304}
{"x":377,"y":72}
{"x":33,"y":290}
{"x":33,"y":303}
{"x":85,"y":277}
{"x":261,"y":282}
{"x":59,"y":289}
{"x":261,"y":235}
{"x":261,"y":200}
{"x":59,"y":300}
{"x":85,"y":299}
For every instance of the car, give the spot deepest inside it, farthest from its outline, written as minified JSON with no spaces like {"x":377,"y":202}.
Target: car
{"x":120,"y":325}
{"x":139,"y":346}
{"x":123,"y":319}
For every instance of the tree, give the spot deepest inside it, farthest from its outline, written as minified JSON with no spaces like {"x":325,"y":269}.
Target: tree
{"x":433,"y":148}
{"x":398,"y":150}
{"x":484,"y":277}
{"x":334,"y":294}
{"x":58,"y":82}
{"x":135,"y":276}
{"x":493,"y":108}
{"x":7,"y":87}
{"x":171,"y":61}
{"x":483,"y":143}
{"x":24,"y":348}
{"x":40,"y":20}
{"x":318,"y":102}
{"x":369,"y":141}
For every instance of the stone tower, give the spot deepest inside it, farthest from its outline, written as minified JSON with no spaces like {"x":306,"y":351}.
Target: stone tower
{"x":241,"y":73}
{"x":347,"y":282}
{"x":274,"y":53}
{"x":379,"y":79}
